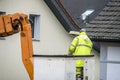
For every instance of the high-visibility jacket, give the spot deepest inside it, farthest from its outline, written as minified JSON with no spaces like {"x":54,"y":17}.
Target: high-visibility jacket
{"x":81,"y":45}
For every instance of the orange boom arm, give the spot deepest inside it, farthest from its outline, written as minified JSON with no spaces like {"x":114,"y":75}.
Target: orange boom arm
{"x":13,"y":23}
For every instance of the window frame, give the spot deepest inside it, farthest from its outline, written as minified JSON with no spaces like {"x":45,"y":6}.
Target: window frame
{"x":35,"y":23}
{"x":2,"y":13}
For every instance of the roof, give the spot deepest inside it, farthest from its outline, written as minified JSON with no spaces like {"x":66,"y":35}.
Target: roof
{"x":106,"y":26}
{"x":102,"y":25}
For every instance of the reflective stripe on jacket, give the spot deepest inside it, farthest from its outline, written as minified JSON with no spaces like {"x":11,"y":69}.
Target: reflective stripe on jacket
{"x":81,"y":45}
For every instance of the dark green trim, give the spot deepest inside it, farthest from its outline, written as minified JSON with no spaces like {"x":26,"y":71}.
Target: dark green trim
{"x":63,"y":56}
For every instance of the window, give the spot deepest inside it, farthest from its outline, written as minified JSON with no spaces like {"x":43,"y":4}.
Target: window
{"x":35,"y":23}
{"x":2,"y":13}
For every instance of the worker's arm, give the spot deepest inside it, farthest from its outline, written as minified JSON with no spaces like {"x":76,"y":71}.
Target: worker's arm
{"x":73,"y":45}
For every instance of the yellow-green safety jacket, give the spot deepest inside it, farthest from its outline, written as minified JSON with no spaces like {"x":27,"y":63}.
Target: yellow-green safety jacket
{"x":81,"y":45}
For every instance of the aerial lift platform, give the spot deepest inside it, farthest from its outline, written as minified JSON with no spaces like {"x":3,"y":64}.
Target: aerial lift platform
{"x":62,"y":67}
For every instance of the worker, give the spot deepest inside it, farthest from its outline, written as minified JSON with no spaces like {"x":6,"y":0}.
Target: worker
{"x":81,"y":45}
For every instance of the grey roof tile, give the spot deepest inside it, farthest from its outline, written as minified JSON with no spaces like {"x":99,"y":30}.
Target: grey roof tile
{"x":106,"y":26}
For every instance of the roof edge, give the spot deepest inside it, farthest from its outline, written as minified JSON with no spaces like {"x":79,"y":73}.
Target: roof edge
{"x":60,"y":15}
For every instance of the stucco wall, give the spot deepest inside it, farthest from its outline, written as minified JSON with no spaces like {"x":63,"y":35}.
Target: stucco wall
{"x":11,"y":66}
{"x":53,"y":38}
{"x":97,"y":64}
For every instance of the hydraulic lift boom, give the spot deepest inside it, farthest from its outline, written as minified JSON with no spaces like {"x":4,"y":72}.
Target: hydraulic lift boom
{"x":14,"y":23}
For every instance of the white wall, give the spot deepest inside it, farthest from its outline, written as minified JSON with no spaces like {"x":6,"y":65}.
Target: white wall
{"x":11,"y":66}
{"x":97,"y":64}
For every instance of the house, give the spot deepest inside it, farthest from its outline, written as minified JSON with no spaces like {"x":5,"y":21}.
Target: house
{"x":51,"y":35}
{"x":102,"y":27}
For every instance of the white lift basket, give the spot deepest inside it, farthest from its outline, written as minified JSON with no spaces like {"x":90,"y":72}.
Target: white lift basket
{"x":61,"y":67}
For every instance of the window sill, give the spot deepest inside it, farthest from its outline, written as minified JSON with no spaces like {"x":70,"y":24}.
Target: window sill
{"x":35,"y":39}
